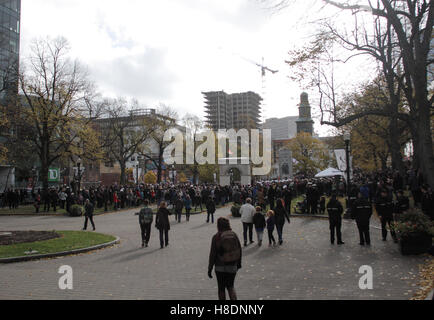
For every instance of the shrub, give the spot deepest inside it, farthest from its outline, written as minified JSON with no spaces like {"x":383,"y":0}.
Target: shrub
{"x":414,"y":222}
{"x":236,"y":210}
{"x":76,"y":210}
{"x":150,"y":177}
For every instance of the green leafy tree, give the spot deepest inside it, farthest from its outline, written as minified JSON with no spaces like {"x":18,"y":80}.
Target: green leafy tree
{"x":310,"y":154}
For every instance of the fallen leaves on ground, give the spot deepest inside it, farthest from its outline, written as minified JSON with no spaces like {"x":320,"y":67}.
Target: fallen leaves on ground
{"x":426,"y":283}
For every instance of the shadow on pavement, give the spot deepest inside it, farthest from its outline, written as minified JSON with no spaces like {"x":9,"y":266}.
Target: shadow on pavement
{"x":201,"y":226}
{"x":118,"y":254}
{"x":252,"y":248}
{"x":139,"y":255}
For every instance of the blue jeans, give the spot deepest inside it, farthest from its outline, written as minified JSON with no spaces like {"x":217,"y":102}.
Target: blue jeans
{"x":279,"y":228}
{"x":247,"y":227}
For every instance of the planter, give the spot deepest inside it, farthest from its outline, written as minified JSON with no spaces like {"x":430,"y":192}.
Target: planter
{"x":75,"y":210}
{"x":416,"y":243}
{"x":235,"y":211}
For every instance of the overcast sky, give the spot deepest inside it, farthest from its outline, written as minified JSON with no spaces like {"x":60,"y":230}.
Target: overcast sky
{"x":169,"y":51}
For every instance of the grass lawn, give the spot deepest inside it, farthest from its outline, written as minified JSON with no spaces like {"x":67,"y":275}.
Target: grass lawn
{"x":69,"y":240}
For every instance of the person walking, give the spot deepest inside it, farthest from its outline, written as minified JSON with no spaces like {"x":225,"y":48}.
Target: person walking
{"x":210,"y":208}
{"x":280,"y":215}
{"x":162,"y":224}
{"x":384,"y":207}
{"x":362,"y":212}
{"x":259,"y":222}
{"x":179,"y":205}
{"x":225,"y":255}
{"x":247,"y":212}
{"x":271,"y":222}
{"x":335,"y":210}
{"x":187,"y":205}
{"x":88,"y":213}
{"x":146,"y":217}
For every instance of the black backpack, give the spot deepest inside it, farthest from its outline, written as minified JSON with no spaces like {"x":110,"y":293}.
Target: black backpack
{"x":229,"y":248}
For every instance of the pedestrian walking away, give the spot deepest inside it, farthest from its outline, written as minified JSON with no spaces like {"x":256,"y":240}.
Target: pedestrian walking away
{"x":247,"y":212}
{"x":88,"y":213}
{"x":146,"y":217}
{"x":271,"y":222}
{"x":210,"y":208}
{"x":225,"y":255}
{"x":259,"y":222}
{"x":162,"y":224}
{"x":280,"y":215}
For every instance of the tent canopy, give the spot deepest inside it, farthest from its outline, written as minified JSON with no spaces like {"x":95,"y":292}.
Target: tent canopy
{"x":329,"y":172}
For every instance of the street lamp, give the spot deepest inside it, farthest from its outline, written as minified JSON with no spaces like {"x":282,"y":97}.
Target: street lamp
{"x":173,"y":174}
{"x":79,"y":173}
{"x":347,"y":138}
{"x":137,"y":172}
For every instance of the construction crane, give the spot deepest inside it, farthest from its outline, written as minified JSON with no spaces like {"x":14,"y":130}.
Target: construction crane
{"x":264,"y":69}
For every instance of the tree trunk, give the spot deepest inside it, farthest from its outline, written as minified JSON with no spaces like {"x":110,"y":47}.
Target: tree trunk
{"x":425,"y":148}
{"x":395,"y":147}
{"x":122,"y":178}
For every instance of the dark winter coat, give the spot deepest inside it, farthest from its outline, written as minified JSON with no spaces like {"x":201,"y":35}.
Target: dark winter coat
{"x":259,"y":220}
{"x":162,"y":219}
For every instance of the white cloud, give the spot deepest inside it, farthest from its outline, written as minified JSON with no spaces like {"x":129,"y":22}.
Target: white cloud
{"x":170,"y":50}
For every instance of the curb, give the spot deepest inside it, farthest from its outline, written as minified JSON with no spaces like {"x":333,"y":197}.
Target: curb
{"x":59,"y":254}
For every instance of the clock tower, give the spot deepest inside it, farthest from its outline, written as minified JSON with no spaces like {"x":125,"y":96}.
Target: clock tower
{"x":304,"y":121}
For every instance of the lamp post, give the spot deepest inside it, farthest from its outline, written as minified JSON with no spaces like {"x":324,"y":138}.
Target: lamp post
{"x":137,"y":172}
{"x":173,"y":174}
{"x":347,"y":138}
{"x":79,"y":173}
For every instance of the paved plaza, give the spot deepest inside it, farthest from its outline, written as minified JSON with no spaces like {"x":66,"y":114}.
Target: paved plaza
{"x":306,"y":266}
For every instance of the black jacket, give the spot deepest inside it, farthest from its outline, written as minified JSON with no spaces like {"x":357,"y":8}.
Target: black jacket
{"x":384,"y":207}
{"x":335,"y":210}
{"x":280,"y":215}
{"x":162,"y":219}
{"x":362,"y":210}
{"x":88,"y":210}
{"x":259,"y":220}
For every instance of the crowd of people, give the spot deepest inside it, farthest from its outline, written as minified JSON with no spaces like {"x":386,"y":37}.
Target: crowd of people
{"x":263,"y":206}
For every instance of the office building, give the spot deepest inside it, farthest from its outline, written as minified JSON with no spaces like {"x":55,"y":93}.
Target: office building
{"x":10,"y":12}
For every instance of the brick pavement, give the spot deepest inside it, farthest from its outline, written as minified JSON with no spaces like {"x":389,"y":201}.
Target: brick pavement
{"x":306,"y":266}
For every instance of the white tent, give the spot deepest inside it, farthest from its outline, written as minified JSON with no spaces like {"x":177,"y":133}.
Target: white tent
{"x":330,"y":172}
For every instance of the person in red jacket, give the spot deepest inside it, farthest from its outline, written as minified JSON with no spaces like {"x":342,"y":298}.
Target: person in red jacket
{"x":115,"y":200}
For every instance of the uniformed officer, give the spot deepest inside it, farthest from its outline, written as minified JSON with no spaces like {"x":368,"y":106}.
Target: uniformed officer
{"x":384,"y":207}
{"x":335,"y":210}
{"x":362,"y":212}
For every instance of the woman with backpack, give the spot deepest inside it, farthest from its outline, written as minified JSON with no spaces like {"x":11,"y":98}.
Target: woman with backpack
{"x":225,"y":255}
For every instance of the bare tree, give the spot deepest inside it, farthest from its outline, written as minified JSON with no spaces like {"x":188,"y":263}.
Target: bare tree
{"x":193,"y":124}
{"x":166,"y":119}
{"x":58,"y":99}
{"x":124,"y":130}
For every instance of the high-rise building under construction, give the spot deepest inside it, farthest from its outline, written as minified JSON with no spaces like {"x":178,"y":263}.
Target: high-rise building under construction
{"x":232,"y":111}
